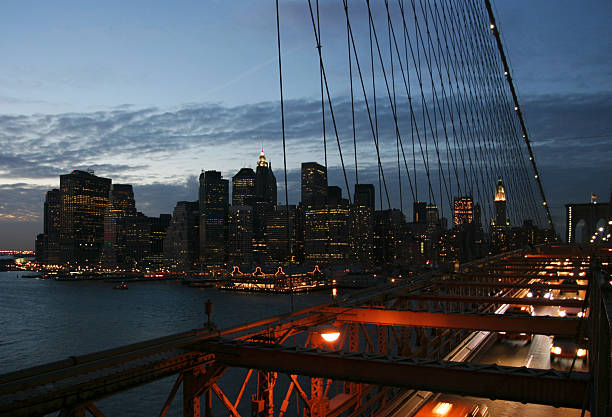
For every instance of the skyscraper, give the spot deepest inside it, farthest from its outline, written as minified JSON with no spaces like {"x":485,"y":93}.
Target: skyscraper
{"x":361,"y":234}
{"x":265,"y":200}
{"x":314,"y":184}
{"x":265,"y":181}
{"x":419,"y":210}
{"x":52,"y":217}
{"x":181,"y":243}
{"x":280,"y":234}
{"x":500,"y":221}
{"x":243,"y":188}
{"x":463,"y":210}
{"x":364,"y":195}
{"x":121,"y":204}
{"x":158,"y":228}
{"x":240,"y":235}
{"x":84,"y":199}
{"x":213,"y":201}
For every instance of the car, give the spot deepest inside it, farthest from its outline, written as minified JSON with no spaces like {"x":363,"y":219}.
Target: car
{"x":518,"y":310}
{"x":450,"y":407}
{"x":564,"y":347}
{"x":572,"y":312}
{"x":565,"y":293}
{"x":540,"y":293}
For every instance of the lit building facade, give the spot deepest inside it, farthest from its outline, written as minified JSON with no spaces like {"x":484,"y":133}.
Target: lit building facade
{"x":500,"y":221}
{"x":213,"y":206}
{"x":158,"y":226}
{"x":361,"y":232}
{"x":181,"y":244}
{"x":51,"y":252}
{"x":240,"y":235}
{"x":314,"y":184}
{"x":265,"y":201}
{"x":84,"y":199}
{"x":419,"y":212}
{"x":364,"y":195}
{"x":243,"y":188}
{"x":121,"y":204}
{"x":280,"y":234}
{"x":463,"y":211}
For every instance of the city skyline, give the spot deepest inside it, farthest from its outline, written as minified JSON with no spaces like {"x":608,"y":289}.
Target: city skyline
{"x":161,"y":145}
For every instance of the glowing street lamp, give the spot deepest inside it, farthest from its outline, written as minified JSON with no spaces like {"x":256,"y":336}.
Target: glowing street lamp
{"x":328,"y":333}
{"x":331,"y":336}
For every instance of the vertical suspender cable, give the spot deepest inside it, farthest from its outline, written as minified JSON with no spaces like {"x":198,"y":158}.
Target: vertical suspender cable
{"x":282,"y":105}
{"x":348,"y":40}
{"x":500,"y":47}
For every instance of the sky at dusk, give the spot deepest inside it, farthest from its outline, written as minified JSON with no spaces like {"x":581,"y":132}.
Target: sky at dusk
{"x":151,"y":93}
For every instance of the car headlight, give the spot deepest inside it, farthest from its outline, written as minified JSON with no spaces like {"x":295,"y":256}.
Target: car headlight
{"x":547,"y":295}
{"x":581,"y":353}
{"x":530,"y":294}
{"x":562,"y":313}
{"x":555,"y":350}
{"x":580,"y":314}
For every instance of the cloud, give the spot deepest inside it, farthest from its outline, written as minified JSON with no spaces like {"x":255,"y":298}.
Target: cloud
{"x":160,"y":151}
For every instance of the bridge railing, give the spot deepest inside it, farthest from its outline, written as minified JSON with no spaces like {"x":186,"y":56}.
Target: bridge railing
{"x":600,"y":334}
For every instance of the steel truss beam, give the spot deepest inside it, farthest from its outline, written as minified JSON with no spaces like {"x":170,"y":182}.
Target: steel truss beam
{"x":78,"y":390}
{"x":491,"y":275}
{"x":497,"y":300}
{"x":525,"y":385}
{"x":449,"y":283}
{"x":490,"y":322}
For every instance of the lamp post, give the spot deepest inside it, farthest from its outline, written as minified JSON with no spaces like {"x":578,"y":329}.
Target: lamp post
{"x":321,"y":336}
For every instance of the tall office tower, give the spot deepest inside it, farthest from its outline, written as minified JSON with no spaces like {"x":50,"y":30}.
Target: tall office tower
{"x":120,"y":205}
{"x":240,"y":235}
{"x":432,"y":216}
{"x":327,"y":233}
{"x":158,"y":227}
{"x":265,"y":200}
{"x":500,"y":221}
{"x":387,"y":241}
{"x":181,"y":244}
{"x":214,"y":197}
{"x":265,"y":181}
{"x":137,"y":238}
{"x":419,"y":210}
{"x":243,"y":188}
{"x":84,"y":199}
{"x":338,"y":222}
{"x":52,"y":218}
{"x":298,"y":253}
{"x":463,"y":211}
{"x":314,"y":184}
{"x":280,"y":234}
{"x":361,"y":234}
{"x":334,"y":195}
{"x":477,"y":216}
{"x":364,"y":195}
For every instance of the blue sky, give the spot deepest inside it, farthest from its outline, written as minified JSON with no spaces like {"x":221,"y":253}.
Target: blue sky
{"x":150,"y":93}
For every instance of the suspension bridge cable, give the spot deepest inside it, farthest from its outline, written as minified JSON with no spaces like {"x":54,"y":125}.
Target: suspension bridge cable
{"x":282,"y":103}
{"x":329,"y":102}
{"x":365,"y":98}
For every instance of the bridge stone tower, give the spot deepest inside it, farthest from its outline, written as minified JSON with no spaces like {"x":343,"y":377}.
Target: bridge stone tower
{"x":588,"y":215}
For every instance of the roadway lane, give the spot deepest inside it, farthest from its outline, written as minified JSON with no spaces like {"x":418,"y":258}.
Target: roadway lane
{"x":533,"y":355}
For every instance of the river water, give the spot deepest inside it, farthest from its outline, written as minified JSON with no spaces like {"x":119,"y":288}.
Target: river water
{"x":43,"y":321}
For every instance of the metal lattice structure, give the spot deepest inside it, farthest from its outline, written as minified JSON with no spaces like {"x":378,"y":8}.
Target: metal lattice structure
{"x":395,"y":343}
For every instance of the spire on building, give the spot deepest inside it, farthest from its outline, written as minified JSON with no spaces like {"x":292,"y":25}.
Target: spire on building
{"x":262,"y":159}
{"x":500,"y":191}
